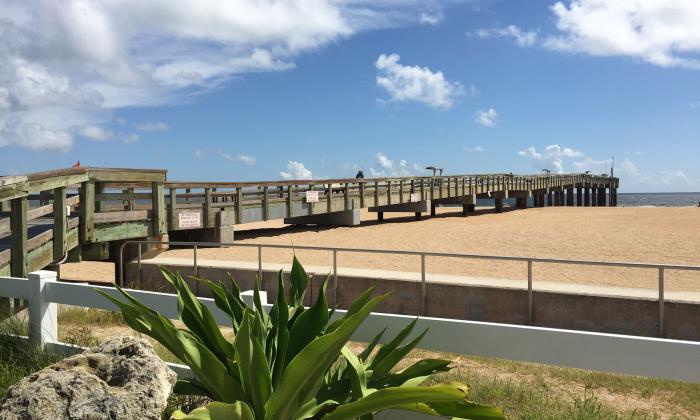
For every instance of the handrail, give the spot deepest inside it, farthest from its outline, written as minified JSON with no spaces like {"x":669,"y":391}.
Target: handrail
{"x":660,"y":267}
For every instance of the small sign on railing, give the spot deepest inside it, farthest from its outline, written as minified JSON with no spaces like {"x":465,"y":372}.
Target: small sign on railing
{"x":414,"y":198}
{"x":189,"y":220}
{"x":312,"y":196}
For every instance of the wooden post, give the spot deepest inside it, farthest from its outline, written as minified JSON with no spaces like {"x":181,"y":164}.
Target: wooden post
{"x":376,"y":193}
{"x":99,"y":189}
{"x":594,"y":197}
{"x":362,"y":194}
{"x":401,"y":191}
{"x":586,"y":197}
{"x":60,"y":224}
{"x":172,"y":210}
{"x":239,"y":205}
{"x":207,"y":207}
{"x":347,"y":196}
{"x":388,"y":192}
{"x":266,"y":204}
{"x":160,"y":223}
{"x":289,"y":200}
{"x":329,"y":199}
{"x":131,"y":204}
{"x":311,"y":205}
{"x":579,"y":196}
{"x":570,"y":197}
{"x":87,"y":210}
{"x":18,"y":239}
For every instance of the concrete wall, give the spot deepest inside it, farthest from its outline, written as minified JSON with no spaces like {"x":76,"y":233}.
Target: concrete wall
{"x":617,"y":315}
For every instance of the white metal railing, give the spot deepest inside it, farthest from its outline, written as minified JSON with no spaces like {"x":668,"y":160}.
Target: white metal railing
{"x":652,"y":357}
{"x":660,"y":268}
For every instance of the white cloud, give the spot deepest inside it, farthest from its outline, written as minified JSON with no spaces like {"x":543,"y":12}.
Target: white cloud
{"x":198,"y":153}
{"x":596,"y":166}
{"x":431,"y":18}
{"x":475,"y":149}
{"x":415,"y":83}
{"x":695,"y":104}
{"x":248,"y":160}
{"x":94,"y":132}
{"x":129,"y":138}
{"x":630,"y":173}
{"x":71,"y":63}
{"x":33,"y":136}
{"x":521,"y":38}
{"x":296,"y":170}
{"x":486,"y":118}
{"x":664,"y":33}
{"x":390,"y":168}
{"x":552,"y":156}
{"x":151,"y":126}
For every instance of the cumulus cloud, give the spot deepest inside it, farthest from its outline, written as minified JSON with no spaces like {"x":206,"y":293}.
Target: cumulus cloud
{"x":33,"y":136}
{"x":296,"y":170}
{"x":71,"y":63}
{"x":664,"y":33}
{"x":415,"y":83}
{"x":475,"y":149}
{"x":522,"y":38}
{"x":486,"y":118}
{"x":552,"y":156}
{"x":94,"y":132}
{"x":389,"y":167}
{"x":151,"y":126}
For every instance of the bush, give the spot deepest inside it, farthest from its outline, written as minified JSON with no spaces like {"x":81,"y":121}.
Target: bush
{"x":293,"y":363}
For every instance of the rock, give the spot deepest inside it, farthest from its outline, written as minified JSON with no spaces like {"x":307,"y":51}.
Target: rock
{"x":121,"y":379}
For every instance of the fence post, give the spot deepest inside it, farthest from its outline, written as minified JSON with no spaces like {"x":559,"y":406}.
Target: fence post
{"x":43,"y":324}
{"x":661,"y":302}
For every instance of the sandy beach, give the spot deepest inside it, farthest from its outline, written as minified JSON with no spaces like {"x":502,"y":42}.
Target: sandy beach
{"x":641,"y":234}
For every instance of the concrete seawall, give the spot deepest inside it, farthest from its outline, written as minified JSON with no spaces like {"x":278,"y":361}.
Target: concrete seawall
{"x":605,"y":313}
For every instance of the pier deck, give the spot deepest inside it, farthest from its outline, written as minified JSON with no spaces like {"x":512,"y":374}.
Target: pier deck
{"x":86,"y":213}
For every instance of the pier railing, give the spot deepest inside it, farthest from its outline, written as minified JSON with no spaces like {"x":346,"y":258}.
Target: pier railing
{"x":423,"y":255}
{"x":644,"y":356}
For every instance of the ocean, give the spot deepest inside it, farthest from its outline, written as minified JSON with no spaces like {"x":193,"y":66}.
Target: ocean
{"x":635,"y":200}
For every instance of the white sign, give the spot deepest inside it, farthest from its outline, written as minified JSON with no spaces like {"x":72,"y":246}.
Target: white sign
{"x":189,"y":220}
{"x":414,"y":198}
{"x":312,"y":196}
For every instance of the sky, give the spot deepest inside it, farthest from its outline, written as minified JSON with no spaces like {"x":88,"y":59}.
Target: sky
{"x":243,"y":90}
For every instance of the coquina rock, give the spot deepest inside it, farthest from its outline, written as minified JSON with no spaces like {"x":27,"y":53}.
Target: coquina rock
{"x":121,"y":379}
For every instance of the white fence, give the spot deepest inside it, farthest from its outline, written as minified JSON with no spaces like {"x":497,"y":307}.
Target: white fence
{"x":652,"y":357}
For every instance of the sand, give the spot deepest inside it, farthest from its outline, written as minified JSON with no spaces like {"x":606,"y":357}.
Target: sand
{"x":648,"y":235}
{"x":636,"y":234}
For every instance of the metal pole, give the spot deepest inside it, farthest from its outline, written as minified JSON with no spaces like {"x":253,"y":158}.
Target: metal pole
{"x":422,"y":280}
{"x":661,"y":302}
{"x":259,"y":263}
{"x":335,"y":277}
{"x":195,"y":268}
{"x":140,"y":264}
{"x":529,"y":293}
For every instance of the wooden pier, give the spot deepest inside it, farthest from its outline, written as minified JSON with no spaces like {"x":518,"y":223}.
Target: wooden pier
{"x":86,"y":213}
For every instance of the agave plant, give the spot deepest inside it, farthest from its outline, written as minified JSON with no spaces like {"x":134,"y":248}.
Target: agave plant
{"x":293,"y":363}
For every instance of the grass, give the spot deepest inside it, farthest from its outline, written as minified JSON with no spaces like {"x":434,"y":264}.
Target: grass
{"x":523,"y":390}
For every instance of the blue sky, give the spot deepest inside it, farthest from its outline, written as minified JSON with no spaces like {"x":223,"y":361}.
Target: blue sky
{"x":245,"y":90}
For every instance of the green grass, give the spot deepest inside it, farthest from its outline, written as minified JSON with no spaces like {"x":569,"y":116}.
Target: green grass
{"x":88,"y":316}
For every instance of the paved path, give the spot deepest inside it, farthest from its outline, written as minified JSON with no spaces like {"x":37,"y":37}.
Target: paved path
{"x":547,"y":286}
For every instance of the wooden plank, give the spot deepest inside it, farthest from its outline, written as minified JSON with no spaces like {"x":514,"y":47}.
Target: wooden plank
{"x":127,"y":175}
{"x":265,"y":204}
{"x":123,"y":196}
{"x":18,"y":223}
{"x":347,"y":196}
{"x":329,"y":199}
{"x":5,"y":257}
{"x":121,"y":216}
{"x":118,"y":231}
{"x":289,"y":201}
{"x":160,"y":223}
{"x":172,"y":208}
{"x":362,"y":194}
{"x":45,"y":184}
{"x":239,"y":205}
{"x":207,"y":207}
{"x":60,"y":223}
{"x":388,"y":192}
{"x":87,"y":210}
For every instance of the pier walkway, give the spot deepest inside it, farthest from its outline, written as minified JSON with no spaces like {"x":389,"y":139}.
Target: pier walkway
{"x":87,"y":213}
